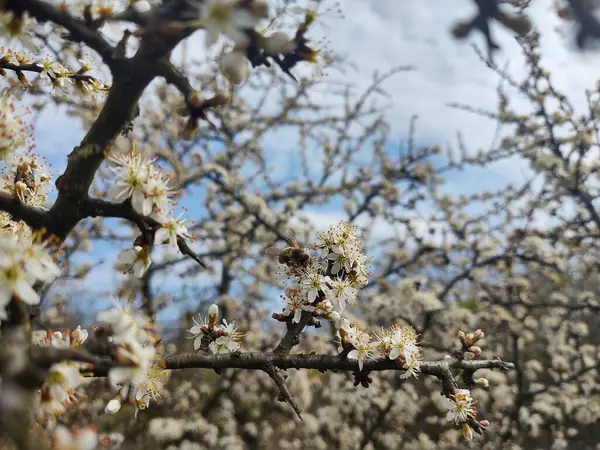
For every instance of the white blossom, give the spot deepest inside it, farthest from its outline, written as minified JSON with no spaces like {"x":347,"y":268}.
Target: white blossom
{"x":224,"y":16}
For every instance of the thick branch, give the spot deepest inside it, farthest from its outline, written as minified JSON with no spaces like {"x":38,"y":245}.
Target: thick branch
{"x":84,"y":160}
{"x":173,"y":76}
{"x":34,"y":217}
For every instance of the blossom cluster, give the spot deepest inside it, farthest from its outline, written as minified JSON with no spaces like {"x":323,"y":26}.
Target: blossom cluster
{"x":329,"y":275}
{"x":26,"y":177}
{"x":52,"y":73}
{"x":62,"y":387}
{"x":220,"y":338}
{"x":25,"y":257}
{"x":238,"y":21}
{"x":23,"y":263}
{"x":12,"y":128}
{"x":398,"y":343}
{"x":137,"y":371}
{"x":462,"y":409}
{"x":139,"y":375}
{"x":142,"y":181}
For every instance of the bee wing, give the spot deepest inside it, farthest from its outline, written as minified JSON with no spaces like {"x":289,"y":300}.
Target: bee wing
{"x":273,"y":251}
{"x":290,"y":236}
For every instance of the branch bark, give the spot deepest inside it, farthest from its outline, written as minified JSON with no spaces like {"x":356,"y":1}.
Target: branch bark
{"x":261,"y":361}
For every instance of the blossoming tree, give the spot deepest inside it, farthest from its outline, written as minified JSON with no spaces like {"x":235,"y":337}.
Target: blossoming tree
{"x":350,"y":318}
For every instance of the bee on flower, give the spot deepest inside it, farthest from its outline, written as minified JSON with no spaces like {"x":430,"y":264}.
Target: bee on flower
{"x":294,"y":256}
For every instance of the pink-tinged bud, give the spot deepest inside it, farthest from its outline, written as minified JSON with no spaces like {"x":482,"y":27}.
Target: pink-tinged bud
{"x":484,"y":423}
{"x":475,"y":349}
{"x":213,"y":315}
{"x":479,"y":335}
{"x":39,"y":336}
{"x":142,"y":6}
{"x":483,"y":382}
{"x":57,"y":335}
{"x":467,"y":432}
{"x":213,"y":312}
{"x":114,"y":405}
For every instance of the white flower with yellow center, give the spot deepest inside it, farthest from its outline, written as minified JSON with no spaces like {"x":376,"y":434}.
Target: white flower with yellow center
{"x":224,"y":16}
{"x":462,"y":407}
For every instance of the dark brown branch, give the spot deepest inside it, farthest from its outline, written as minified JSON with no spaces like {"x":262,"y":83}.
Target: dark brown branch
{"x":284,"y":392}
{"x":260,"y":361}
{"x":34,"y":217}
{"x":173,"y":76}
{"x":292,"y":336}
{"x":95,"y":207}
{"x":45,"y":357}
{"x":38,"y":69}
{"x":79,"y":32}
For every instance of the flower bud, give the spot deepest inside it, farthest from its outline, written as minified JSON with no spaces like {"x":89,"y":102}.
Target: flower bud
{"x":213,"y":315}
{"x":142,"y":6}
{"x":334,"y":316}
{"x":278,"y":42}
{"x":484,"y":423}
{"x":469,"y":355}
{"x":234,"y":67}
{"x":476,"y":350}
{"x":483,"y":382}
{"x":479,"y":335}
{"x":114,"y":405}
{"x":469,"y":339}
{"x":461,"y":336}
{"x":467,"y":432}
{"x":57,"y":335}
{"x":342,"y":324}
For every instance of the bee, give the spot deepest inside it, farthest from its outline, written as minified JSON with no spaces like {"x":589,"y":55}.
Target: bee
{"x":294,"y":256}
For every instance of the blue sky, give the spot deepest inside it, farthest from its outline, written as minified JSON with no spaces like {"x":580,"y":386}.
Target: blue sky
{"x":379,"y":35}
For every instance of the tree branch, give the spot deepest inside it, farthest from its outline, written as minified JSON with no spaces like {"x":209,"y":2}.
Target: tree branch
{"x":34,"y":217}
{"x":78,"y":30}
{"x":261,"y":361}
